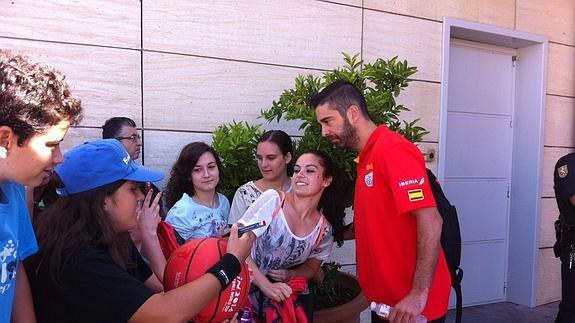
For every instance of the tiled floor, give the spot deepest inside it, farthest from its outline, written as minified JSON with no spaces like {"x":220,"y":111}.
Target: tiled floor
{"x":499,"y":313}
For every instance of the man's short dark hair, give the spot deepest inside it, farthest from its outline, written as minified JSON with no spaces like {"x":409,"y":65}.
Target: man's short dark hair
{"x":113,"y":126}
{"x":340,"y":95}
{"x":33,"y":97}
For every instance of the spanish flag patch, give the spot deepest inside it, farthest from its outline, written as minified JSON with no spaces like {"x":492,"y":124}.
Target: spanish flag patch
{"x":415,"y":195}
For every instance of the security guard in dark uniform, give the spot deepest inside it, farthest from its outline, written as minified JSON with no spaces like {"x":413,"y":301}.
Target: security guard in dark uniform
{"x":564,"y":185}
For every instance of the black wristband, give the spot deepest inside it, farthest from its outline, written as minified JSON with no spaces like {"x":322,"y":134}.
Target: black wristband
{"x":226,"y":269}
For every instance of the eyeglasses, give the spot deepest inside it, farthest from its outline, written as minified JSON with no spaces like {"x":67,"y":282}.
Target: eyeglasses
{"x":133,"y":138}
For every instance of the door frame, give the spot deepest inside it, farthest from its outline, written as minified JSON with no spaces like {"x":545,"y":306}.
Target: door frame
{"x":527,"y":147}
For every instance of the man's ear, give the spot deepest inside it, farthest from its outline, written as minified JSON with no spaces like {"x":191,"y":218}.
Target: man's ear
{"x":353,"y":114}
{"x":7,"y":137}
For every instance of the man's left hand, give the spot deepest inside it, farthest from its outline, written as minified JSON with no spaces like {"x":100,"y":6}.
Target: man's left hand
{"x":409,"y":308}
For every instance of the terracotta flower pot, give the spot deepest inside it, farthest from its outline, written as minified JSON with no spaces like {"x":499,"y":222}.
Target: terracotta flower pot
{"x":344,"y":313}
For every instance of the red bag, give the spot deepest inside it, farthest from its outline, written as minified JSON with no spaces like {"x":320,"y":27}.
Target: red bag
{"x":167,"y":238}
{"x":289,"y":310}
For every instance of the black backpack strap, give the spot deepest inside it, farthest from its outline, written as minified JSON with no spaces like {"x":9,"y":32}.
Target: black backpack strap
{"x":458,"y":295}
{"x":450,"y":240}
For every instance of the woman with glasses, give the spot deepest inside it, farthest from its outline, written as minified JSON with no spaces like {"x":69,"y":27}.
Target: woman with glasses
{"x":274,"y":153}
{"x":196,"y":210}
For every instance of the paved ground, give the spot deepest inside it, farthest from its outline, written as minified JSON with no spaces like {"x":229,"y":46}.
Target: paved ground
{"x":507,"y":313}
{"x":500,"y":313}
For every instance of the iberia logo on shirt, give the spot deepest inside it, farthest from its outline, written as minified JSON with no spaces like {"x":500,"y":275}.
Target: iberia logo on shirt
{"x":411,"y":182}
{"x":413,"y":187}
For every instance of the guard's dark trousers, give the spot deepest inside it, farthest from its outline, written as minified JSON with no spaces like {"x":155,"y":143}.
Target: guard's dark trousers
{"x":567,"y":306}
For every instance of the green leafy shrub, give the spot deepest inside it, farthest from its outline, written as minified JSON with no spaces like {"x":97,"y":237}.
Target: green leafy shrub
{"x":236,"y":144}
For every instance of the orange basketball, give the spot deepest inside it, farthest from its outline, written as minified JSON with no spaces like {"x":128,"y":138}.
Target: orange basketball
{"x":191,"y":261}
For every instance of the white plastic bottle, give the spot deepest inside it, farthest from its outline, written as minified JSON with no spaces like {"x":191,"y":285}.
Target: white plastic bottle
{"x":383,"y":310}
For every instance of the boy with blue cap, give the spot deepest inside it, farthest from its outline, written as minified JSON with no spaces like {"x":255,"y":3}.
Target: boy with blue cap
{"x":97,"y":163}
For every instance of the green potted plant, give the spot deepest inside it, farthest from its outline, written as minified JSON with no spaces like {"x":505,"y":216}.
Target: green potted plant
{"x":381,"y":82}
{"x":338,"y":297}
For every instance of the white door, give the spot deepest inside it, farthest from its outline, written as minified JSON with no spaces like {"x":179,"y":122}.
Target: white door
{"x":477,"y":174}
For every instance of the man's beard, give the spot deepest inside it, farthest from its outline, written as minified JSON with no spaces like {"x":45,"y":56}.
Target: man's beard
{"x":348,"y":137}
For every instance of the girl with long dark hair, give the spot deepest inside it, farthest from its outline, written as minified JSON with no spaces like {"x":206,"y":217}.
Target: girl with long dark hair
{"x":196,"y":209}
{"x":87,"y":270}
{"x":301,"y":231}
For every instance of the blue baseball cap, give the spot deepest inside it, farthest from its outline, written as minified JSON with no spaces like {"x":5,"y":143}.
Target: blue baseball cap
{"x":98,"y":163}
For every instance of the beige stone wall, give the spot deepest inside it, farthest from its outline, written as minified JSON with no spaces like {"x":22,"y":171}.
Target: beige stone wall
{"x":180,"y":68}
{"x":556,"y":20}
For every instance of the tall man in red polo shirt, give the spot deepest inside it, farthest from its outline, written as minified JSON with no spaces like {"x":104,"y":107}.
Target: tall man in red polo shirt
{"x":396,"y":225}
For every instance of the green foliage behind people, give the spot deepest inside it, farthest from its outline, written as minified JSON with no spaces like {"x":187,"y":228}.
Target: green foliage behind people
{"x":381,"y":82}
{"x":236,"y":144}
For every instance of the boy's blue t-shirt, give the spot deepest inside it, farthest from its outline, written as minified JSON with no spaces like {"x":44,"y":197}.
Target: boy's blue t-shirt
{"x":17,"y":241}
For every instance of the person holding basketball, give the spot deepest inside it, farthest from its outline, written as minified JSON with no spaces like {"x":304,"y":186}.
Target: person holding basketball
{"x":87,"y":271}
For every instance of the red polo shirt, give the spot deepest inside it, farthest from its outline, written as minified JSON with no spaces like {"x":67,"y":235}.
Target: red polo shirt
{"x":391,"y":182}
